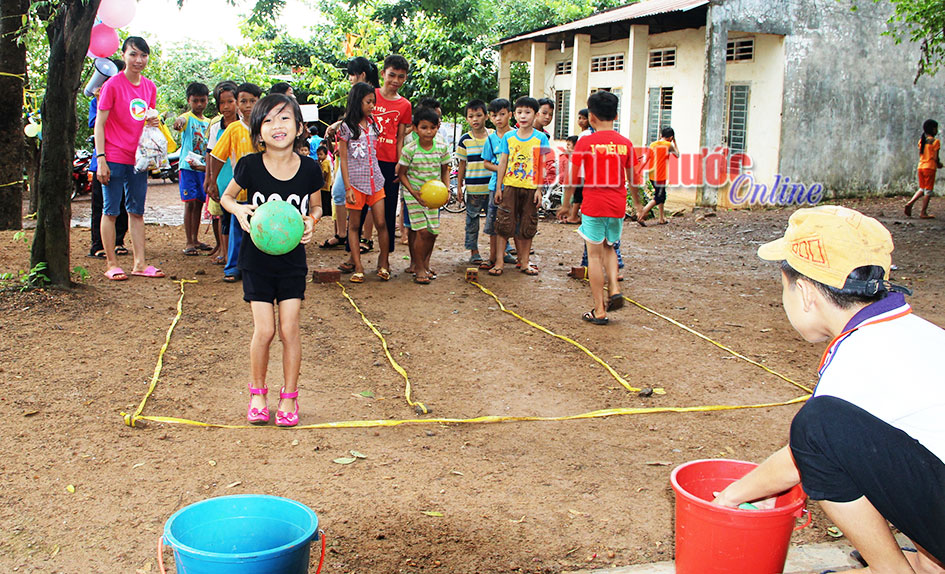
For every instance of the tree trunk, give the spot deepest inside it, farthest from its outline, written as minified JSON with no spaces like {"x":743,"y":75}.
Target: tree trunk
{"x":13,"y":56}
{"x":68,"y":32}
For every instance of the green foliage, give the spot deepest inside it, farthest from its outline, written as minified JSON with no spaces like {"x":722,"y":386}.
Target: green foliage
{"x":923,"y":22}
{"x":35,"y":278}
{"x":82,"y":272}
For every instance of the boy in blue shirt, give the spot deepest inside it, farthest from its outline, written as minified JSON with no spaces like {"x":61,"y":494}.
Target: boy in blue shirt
{"x":193,"y":148}
{"x":500,"y":112}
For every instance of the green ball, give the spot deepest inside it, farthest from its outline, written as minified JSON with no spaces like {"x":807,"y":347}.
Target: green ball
{"x":276,"y":227}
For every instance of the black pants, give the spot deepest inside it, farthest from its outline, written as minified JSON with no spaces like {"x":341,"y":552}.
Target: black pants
{"x":843,"y":452}
{"x":121,"y":224}
{"x":391,"y":193}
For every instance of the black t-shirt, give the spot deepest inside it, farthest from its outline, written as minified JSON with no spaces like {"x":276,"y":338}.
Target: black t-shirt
{"x":251,"y":175}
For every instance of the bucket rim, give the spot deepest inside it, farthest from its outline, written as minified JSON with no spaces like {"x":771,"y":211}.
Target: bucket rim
{"x":170,"y":540}
{"x":791,"y":508}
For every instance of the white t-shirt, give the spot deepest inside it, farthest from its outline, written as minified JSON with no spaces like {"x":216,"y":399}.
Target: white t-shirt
{"x":892,"y":366}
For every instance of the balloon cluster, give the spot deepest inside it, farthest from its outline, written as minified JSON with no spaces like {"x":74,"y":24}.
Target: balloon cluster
{"x":112,"y":14}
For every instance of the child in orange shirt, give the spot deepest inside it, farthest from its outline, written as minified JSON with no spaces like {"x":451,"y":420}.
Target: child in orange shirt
{"x":928,"y":164}
{"x":659,"y":151}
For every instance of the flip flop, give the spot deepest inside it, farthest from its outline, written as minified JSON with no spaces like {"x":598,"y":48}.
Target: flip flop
{"x":615,"y":302}
{"x":509,"y":259}
{"x":590,"y":317}
{"x":150,"y":271}
{"x":486,"y":265}
{"x":116,"y":274}
{"x":204,"y":247}
{"x":219,"y":260}
{"x":641,"y":223}
{"x":475,"y":259}
{"x":100,"y":254}
{"x":231,"y":278}
{"x":346,"y":267}
{"x":530,"y":271}
{"x":495,"y":271}
{"x":191,"y":251}
{"x":421,"y":280}
{"x":383,"y":274}
{"x":357,"y":278}
{"x":119,"y":250}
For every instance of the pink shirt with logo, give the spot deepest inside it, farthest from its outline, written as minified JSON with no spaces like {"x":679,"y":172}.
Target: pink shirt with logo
{"x":126,"y":105}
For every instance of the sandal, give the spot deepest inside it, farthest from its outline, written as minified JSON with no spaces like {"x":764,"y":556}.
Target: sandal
{"x":100,"y":254}
{"x":367,"y":245}
{"x":495,"y":271}
{"x":191,"y":251}
{"x":530,"y":270}
{"x":590,"y":317}
{"x":327,"y":244}
{"x":615,"y":302}
{"x":149,"y":271}
{"x":204,"y":247}
{"x":253,"y":415}
{"x":346,"y":267}
{"x":116,"y":274}
{"x":383,"y":274}
{"x":357,"y":278}
{"x":284,"y":419}
{"x":219,"y":260}
{"x":119,"y":250}
{"x":421,"y":280}
{"x":486,"y":265}
{"x":231,"y":278}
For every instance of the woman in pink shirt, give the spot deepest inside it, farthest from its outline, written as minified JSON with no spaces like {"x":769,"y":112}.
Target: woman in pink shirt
{"x":122,"y":105}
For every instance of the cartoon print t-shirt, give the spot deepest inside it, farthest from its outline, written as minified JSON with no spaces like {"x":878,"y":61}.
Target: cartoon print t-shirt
{"x":193,"y":138}
{"x":524,"y":168}
{"x":126,"y":105}
{"x":251,"y":175}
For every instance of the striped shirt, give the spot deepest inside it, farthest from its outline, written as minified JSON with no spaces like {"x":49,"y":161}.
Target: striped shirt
{"x":477,"y":176}
{"x":424,"y":165}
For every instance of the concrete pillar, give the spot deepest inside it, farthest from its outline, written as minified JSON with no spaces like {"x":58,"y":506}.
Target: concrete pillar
{"x":580,"y":72}
{"x":713,"y":95}
{"x":505,"y":71}
{"x":537,"y":62}
{"x":633,"y":108}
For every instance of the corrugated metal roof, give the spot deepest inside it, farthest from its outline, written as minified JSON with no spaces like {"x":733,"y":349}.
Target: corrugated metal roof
{"x":634,"y":11}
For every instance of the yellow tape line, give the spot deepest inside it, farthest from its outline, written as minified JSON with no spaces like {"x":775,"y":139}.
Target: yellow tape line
{"x":719,"y":345}
{"x":12,"y":183}
{"x":420,"y":407}
{"x":489,"y":418}
{"x":590,"y":354}
{"x":130,"y":419}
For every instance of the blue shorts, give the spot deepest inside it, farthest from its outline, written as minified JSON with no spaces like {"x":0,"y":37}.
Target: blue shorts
{"x":338,"y":190}
{"x":191,"y":186}
{"x":599,"y":230}
{"x":124,"y":180}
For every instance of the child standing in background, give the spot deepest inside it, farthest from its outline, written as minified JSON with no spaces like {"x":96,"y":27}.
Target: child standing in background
{"x":225,"y":95}
{"x":659,"y":151}
{"x":473,"y":177}
{"x":193,"y":148}
{"x":276,"y":173}
{"x":929,"y":163}
{"x":325,"y":164}
{"x":500,"y":112}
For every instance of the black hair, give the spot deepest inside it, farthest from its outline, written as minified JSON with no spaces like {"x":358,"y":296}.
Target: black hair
{"x":197,"y":89}
{"x":499,"y":104}
{"x":603,"y":105}
{"x":864,"y":285}
{"x":527,"y":102}
{"x":667,"y":132}
{"x":397,"y":62}
{"x":572,"y":139}
{"x":138,"y":42}
{"x":249,"y":88}
{"x":421,"y":113}
{"x":262,"y":109}
{"x":224,"y":86}
{"x":313,"y":129}
{"x":361,"y":65}
{"x":280,"y":88}
{"x":428,"y":102}
{"x":120,"y":64}
{"x":475,"y":105}
{"x":928,"y":126}
{"x":321,"y":148}
{"x":546,"y":102}
{"x":353,"y":112}
{"x":583,"y":112}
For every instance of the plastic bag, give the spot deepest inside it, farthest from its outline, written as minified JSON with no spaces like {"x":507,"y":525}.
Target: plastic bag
{"x":152,"y":147}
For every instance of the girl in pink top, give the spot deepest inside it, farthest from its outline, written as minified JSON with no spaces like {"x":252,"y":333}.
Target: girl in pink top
{"x":122,"y":105}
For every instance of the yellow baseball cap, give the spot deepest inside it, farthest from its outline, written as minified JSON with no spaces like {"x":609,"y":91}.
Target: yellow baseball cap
{"x":827,"y":242}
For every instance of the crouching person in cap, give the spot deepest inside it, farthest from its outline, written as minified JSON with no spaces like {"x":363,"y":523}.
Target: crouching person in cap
{"x":869,"y":445}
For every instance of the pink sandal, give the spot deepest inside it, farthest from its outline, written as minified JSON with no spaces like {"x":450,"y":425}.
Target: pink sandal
{"x":253,"y":415}
{"x":284,"y":419}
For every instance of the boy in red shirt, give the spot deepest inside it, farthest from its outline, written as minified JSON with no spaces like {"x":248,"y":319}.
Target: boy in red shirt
{"x":393,"y":113}
{"x":607,"y":160}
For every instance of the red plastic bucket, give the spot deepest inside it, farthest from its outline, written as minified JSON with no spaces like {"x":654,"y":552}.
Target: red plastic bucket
{"x":712,"y":539}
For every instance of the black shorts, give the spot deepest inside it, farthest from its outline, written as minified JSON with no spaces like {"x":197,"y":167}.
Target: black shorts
{"x":225,"y":222}
{"x":659,"y":192}
{"x":843,"y":453}
{"x":266,"y":288}
{"x":578,"y":196}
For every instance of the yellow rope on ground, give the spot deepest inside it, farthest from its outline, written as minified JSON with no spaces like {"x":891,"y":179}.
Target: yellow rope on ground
{"x":603,"y":413}
{"x":590,"y":354}
{"x":420,"y":407}
{"x":130,"y":419}
{"x":12,"y":183}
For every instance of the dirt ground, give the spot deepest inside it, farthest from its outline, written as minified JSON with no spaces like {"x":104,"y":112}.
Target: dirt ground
{"x":513,"y":497}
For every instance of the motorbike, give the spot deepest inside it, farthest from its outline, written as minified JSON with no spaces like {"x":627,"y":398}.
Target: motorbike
{"x":81,"y":176}
{"x":169,"y":171}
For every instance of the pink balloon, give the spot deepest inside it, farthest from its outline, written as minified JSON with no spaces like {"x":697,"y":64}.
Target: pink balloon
{"x":117,"y":13}
{"x":104,"y":41}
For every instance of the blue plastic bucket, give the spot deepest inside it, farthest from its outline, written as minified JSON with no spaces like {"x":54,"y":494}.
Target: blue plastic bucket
{"x":243,"y":534}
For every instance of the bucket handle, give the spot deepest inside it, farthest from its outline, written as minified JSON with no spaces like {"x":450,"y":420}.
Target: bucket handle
{"x":160,"y":553}
{"x":810,"y":518}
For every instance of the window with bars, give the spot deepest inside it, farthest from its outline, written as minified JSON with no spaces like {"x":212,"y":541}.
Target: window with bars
{"x":735,"y":136}
{"x":563,"y":115}
{"x":563,"y":68}
{"x":612,"y":63}
{"x":659,"y":112}
{"x":740,"y":50}
{"x":663,"y":58}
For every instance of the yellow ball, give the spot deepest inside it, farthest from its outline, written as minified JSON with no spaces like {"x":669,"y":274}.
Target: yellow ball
{"x":435,"y":194}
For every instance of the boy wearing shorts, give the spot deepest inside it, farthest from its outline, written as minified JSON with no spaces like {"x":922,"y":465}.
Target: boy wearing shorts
{"x":473,"y":177}
{"x":521,"y":161}
{"x":422,"y":160}
{"x":500,"y":112}
{"x":606,"y":160}
{"x":659,"y":154}
{"x":869,"y":445}
{"x":193,"y":147}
